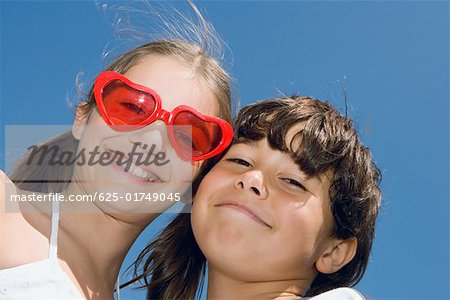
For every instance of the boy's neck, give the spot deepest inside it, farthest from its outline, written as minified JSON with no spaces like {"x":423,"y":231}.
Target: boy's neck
{"x":221,"y":286}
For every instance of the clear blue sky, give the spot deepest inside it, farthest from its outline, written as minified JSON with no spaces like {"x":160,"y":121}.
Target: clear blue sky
{"x":393,"y":58}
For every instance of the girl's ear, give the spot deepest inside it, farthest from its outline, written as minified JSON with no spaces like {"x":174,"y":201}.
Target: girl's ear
{"x":80,"y":121}
{"x":337,"y":255}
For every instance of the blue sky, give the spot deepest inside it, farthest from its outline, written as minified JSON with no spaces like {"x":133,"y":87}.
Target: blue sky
{"x":392,"y":58}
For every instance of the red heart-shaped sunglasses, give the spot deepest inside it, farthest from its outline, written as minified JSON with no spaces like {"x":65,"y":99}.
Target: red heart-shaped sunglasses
{"x":194,"y":136}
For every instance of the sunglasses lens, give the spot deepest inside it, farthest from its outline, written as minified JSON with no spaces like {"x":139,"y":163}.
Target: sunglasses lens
{"x":125,"y":105}
{"x":197,"y":137}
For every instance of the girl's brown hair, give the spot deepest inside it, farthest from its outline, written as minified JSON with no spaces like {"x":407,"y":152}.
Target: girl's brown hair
{"x":194,"y":54}
{"x":173,"y":265}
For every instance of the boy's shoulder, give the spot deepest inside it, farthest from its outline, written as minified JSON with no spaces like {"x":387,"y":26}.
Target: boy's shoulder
{"x":343,"y":293}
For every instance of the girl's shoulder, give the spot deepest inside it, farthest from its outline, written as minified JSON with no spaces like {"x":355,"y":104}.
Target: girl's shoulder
{"x":343,"y":293}
{"x":20,"y":232}
{"x":4,"y":184}
{"x":2,"y":192}
{"x":7,"y":188}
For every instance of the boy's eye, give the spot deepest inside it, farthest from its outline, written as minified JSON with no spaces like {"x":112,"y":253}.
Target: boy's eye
{"x":294,"y":182}
{"x":239,"y":161}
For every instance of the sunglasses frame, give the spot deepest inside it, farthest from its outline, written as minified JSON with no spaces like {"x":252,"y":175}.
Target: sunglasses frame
{"x":104,"y":78}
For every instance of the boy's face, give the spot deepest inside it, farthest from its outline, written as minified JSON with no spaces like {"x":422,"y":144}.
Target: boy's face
{"x":257,"y":217}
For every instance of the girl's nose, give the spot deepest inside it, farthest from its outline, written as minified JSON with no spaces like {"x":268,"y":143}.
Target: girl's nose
{"x":154,"y":134}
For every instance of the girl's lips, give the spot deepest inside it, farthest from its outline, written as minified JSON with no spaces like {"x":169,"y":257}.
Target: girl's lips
{"x":246,"y":210}
{"x":149,"y":172}
{"x":133,"y":177}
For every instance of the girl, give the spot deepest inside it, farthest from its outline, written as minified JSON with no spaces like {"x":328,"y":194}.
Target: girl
{"x":288,"y":212}
{"x":142,"y":99}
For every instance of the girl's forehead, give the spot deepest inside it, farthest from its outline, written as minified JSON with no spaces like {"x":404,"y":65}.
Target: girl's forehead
{"x":175,"y":83}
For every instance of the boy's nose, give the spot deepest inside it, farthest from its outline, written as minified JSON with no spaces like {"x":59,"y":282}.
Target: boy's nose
{"x":252,"y":181}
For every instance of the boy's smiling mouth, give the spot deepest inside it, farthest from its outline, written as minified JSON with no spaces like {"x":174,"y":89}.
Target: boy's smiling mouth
{"x":244,"y":209}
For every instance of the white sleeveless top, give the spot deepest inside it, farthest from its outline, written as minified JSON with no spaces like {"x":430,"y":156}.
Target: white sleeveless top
{"x":44,"y":279}
{"x":342,"y":293}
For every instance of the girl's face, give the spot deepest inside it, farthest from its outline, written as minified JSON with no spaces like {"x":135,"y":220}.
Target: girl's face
{"x":258,"y":217}
{"x":177,"y":85}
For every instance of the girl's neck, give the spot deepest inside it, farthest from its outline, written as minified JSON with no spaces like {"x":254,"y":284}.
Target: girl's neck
{"x":221,"y":286}
{"x":94,"y":243}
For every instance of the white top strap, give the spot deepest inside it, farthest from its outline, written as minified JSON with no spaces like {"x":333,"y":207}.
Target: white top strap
{"x":53,"y":253}
{"x":118,"y":287}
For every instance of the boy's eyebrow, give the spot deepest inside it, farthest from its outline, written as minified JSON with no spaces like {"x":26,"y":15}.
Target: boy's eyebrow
{"x":250,"y":143}
{"x":309,"y":177}
{"x":253,"y":145}
{"x":299,"y":167}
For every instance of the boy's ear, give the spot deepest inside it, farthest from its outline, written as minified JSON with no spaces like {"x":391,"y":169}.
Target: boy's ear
{"x":337,"y":255}
{"x":80,"y":122}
